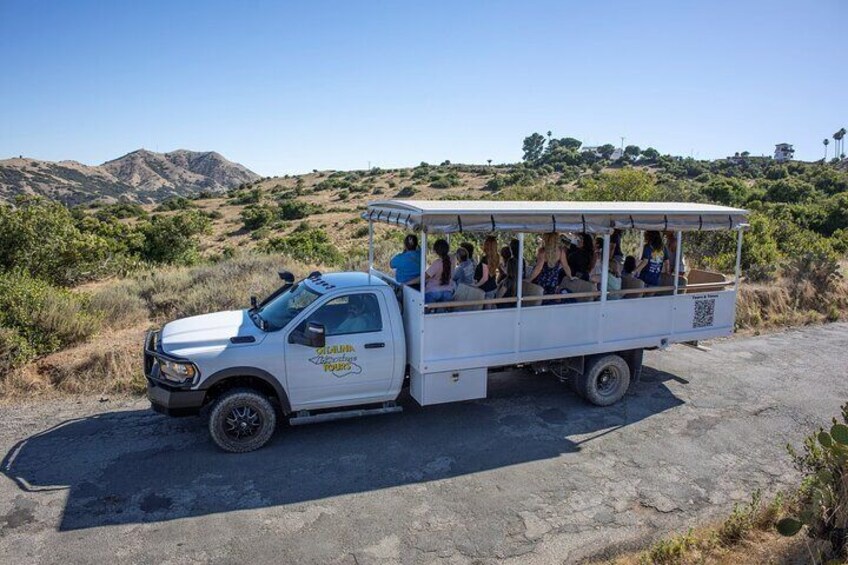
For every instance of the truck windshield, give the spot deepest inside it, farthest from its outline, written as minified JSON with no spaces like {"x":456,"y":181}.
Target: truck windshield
{"x":282,"y":309}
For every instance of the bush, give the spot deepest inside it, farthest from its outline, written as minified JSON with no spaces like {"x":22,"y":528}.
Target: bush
{"x":622,"y":185}
{"x":305,"y":244}
{"x":174,"y":239}
{"x":41,"y":238}
{"x":175,"y":203}
{"x":297,"y":210}
{"x":822,"y":500}
{"x":255,"y":216}
{"x":14,"y":350}
{"x":45,"y":317}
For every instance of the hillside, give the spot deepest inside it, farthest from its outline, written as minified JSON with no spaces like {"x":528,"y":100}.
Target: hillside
{"x":140,"y":176}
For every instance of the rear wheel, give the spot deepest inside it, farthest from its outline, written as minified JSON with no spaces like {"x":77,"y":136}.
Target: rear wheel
{"x":605,"y":380}
{"x":242,"y":420}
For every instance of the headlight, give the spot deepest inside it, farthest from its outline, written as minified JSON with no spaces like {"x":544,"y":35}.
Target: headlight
{"x":177,"y":372}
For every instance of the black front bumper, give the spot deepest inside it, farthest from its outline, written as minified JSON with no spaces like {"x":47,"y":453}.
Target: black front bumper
{"x":167,"y":398}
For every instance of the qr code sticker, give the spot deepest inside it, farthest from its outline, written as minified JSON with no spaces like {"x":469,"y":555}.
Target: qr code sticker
{"x":704,"y":313}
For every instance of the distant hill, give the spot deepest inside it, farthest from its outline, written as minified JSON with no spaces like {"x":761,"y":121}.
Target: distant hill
{"x":141,"y":176}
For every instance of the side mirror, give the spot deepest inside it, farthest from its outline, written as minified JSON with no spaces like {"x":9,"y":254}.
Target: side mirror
{"x":253,"y":302}
{"x":315,"y":334}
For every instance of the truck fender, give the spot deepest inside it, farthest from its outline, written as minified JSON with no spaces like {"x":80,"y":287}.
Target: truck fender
{"x":253,"y":373}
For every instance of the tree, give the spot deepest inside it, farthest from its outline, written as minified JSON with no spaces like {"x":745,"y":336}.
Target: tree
{"x":533,"y":147}
{"x":606,"y":150}
{"x":651,"y":154}
{"x":632,"y":152}
{"x":826,"y":142}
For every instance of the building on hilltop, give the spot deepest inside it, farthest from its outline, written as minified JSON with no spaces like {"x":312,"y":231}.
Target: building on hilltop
{"x":783,"y":152}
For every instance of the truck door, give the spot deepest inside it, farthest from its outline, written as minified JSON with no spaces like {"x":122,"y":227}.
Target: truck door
{"x":357,"y":361}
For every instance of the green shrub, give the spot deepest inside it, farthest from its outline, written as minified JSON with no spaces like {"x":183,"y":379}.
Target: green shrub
{"x":255,"y":216}
{"x":297,"y":210}
{"x":47,"y":318}
{"x":14,"y":350}
{"x":305,"y":244}
{"x":822,"y":500}
{"x":174,"y":239}
{"x":175,"y":203}
{"x":41,"y":237}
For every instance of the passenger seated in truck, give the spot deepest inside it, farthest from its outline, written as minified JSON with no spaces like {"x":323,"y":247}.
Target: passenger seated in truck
{"x":551,"y":264}
{"x":407,"y":264}
{"x":654,"y":259}
{"x":581,"y":256}
{"x":438,"y":286}
{"x":464,"y":272}
{"x":489,"y":265}
{"x":506,"y":255}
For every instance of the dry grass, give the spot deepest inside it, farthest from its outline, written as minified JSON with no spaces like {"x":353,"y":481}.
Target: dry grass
{"x":747,"y":535}
{"x":798,"y":297}
{"x":109,"y":363}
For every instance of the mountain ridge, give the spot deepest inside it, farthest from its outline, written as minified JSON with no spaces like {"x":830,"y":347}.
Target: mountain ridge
{"x":139,"y":176}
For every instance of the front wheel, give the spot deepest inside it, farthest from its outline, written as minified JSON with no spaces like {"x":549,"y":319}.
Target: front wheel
{"x":605,"y":380}
{"x":242,"y":420}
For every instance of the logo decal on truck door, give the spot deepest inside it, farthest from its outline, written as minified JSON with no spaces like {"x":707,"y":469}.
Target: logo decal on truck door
{"x":338,"y":360}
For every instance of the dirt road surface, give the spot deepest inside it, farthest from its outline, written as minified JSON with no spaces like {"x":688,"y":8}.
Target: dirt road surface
{"x":529,"y":475}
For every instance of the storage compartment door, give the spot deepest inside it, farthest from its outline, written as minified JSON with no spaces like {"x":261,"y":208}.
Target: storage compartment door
{"x":448,"y":386}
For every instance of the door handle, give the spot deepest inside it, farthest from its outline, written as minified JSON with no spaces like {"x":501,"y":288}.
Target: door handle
{"x":376,"y":345}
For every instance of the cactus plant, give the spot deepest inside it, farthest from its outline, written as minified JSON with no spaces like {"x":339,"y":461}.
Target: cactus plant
{"x":823,"y":497}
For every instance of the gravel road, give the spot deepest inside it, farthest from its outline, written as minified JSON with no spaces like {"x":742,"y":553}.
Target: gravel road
{"x":529,"y":475}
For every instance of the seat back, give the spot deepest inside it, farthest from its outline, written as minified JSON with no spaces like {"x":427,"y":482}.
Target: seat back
{"x":464,"y":293}
{"x":667,"y":279}
{"x":531,"y":289}
{"x":578,"y":285}
{"x":697,"y":276}
{"x":629,"y":282}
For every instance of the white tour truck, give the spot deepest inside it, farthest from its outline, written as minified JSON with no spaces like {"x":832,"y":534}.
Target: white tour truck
{"x":340,"y":345}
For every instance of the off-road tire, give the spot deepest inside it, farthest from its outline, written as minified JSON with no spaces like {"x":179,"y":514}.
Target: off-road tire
{"x":605,"y":379}
{"x":242,"y":412}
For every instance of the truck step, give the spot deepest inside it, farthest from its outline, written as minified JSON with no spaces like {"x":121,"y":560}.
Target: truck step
{"x":305,"y":417}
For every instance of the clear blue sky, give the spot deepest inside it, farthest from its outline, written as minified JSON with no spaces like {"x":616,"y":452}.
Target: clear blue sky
{"x":290,"y":86}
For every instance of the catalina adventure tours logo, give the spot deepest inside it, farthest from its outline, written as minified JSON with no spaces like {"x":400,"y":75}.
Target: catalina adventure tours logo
{"x":339,"y":360}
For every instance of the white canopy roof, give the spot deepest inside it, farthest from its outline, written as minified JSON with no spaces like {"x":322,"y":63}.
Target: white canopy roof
{"x":450,"y":216}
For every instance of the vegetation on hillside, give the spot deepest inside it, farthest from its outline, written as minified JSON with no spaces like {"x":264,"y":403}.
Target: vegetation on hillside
{"x":792,"y":254}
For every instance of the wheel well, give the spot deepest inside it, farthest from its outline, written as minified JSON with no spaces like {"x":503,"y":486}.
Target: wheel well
{"x":243,"y":381}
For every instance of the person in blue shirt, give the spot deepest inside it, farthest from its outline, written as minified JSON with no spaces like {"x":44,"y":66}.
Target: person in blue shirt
{"x":407,"y":265}
{"x":654,"y":259}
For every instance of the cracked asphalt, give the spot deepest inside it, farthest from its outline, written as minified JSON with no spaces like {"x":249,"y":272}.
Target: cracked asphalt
{"x":529,"y":475}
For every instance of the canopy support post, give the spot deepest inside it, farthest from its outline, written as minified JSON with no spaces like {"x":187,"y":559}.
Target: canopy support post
{"x":519,"y":290}
{"x":605,"y":254}
{"x":677,"y":254}
{"x":370,"y":249}
{"x":738,"y":261}
{"x":422,"y":311}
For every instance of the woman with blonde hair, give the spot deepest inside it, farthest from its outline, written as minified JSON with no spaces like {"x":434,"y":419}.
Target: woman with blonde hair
{"x":486,"y":271}
{"x":551,"y":264}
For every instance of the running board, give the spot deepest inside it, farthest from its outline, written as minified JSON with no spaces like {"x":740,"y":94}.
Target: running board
{"x":695,"y":345}
{"x":305,"y":417}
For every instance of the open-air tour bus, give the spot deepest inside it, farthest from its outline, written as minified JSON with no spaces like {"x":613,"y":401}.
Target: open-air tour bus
{"x":468,"y":337}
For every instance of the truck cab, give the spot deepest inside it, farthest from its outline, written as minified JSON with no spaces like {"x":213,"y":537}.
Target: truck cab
{"x":327,"y":341}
